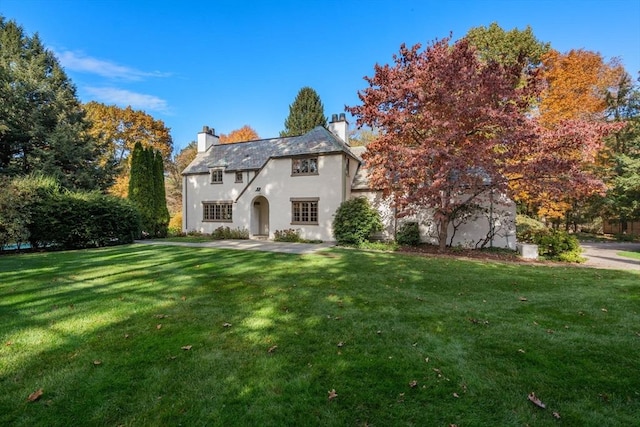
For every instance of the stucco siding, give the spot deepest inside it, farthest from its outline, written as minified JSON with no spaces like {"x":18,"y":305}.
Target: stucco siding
{"x":270,"y":194}
{"x":495,"y":209}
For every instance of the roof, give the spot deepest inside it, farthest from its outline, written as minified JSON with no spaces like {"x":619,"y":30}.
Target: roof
{"x":253,"y":155}
{"x":361,"y":180}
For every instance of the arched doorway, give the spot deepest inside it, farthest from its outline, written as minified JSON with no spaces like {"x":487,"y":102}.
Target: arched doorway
{"x":260,"y":217}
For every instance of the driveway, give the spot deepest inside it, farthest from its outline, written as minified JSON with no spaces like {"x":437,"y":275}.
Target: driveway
{"x":249,"y":245}
{"x":604,"y":255}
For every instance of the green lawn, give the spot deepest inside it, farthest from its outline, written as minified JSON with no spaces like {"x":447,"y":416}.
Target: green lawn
{"x":629,"y":254}
{"x":403,"y":340}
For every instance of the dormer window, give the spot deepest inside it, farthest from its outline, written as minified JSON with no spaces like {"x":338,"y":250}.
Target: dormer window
{"x":304,"y":166}
{"x":216,"y":176}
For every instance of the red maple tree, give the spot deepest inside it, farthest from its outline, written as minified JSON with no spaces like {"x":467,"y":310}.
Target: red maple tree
{"x":453,"y":128}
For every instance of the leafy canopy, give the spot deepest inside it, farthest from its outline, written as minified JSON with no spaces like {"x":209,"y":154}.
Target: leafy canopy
{"x":117,"y":130}
{"x":245,"y":133}
{"x":454,"y":127}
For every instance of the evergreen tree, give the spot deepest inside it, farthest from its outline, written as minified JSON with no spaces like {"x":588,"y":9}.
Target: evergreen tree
{"x":42,"y":123}
{"x":161,"y":212}
{"x":305,"y":113}
{"x":622,"y":171}
{"x":146,"y":190}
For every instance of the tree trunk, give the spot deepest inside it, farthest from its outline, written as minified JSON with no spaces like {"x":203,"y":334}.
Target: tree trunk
{"x":443,"y":227}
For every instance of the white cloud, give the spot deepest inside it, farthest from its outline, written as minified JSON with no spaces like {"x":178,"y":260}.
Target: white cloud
{"x":124,"y":98}
{"x":76,"y":61}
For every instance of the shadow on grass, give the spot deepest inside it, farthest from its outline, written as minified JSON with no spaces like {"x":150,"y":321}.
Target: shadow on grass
{"x":268,"y":335}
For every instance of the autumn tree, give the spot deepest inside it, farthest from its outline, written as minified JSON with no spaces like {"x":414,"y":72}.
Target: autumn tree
{"x":245,"y":133}
{"x":576,"y":86}
{"x":42,"y":124}
{"x":305,"y":113}
{"x":454,"y":127}
{"x":117,"y":130}
{"x":174,"y":179}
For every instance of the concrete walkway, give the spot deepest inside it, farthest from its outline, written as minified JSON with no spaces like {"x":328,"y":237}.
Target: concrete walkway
{"x":249,"y":245}
{"x":604,"y":255}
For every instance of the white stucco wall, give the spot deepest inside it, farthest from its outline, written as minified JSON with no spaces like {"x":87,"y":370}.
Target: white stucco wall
{"x":276,"y":184}
{"x":497,"y":209}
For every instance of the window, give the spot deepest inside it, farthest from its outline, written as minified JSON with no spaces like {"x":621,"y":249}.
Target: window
{"x":238,"y":176}
{"x":216,"y":176}
{"x":304,"y":211}
{"x":217,"y":211}
{"x":304,"y":166}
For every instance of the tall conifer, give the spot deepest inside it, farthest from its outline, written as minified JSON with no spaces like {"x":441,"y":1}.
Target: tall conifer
{"x":305,"y":113}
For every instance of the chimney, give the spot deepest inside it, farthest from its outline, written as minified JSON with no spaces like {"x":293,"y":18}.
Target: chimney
{"x":340,"y":127}
{"x":207,"y":138}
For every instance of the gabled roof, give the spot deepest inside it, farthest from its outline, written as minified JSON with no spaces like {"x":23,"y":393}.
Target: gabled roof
{"x":361,"y":179}
{"x":253,"y":155}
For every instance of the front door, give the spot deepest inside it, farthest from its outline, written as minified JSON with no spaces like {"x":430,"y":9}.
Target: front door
{"x":260,"y":217}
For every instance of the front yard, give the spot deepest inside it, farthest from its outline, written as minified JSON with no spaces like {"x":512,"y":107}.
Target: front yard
{"x":161,"y":335}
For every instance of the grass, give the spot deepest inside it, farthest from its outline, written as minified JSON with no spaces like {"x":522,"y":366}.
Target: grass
{"x":402,"y":339}
{"x":629,"y":254}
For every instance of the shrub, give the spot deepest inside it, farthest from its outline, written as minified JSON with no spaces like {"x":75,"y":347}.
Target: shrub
{"x":79,"y":220}
{"x":175,"y":225}
{"x":556,"y":244}
{"x":289,"y":235}
{"x":526,"y":227}
{"x":355,"y":221}
{"x":224,"y":233}
{"x":408,"y":234}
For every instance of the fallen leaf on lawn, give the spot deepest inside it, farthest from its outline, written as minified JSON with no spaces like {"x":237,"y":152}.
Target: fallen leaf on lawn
{"x":159,"y":326}
{"x":604,"y":309}
{"x":532,"y":397}
{"x":340,"y":344}
{"x":523,"y":299}
{"x":413,"y":383}
{"x":549,"y":331}
{"x":226,"y":324}
{"x":272,"y":349}
{"x":126,"y":336}
{"x":456,"y":395}
{"x":332,"y":394}
{"x":535,"y":323}
{"x":186,"y":347}
{"x":35,"y":395}
{"x":161,"y":316}
{"x":97,"y":362}
{"x":556,"y":415}
{"x":8,"y":343}
{"x":183,"y":298}
{"x":520,"y":350}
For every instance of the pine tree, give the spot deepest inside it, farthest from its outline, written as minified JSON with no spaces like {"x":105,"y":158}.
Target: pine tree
{"x":42,"y":123}
{"x":305,"y":113}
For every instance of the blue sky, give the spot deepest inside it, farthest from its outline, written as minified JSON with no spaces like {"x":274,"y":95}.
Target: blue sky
{"x":229,"y":63}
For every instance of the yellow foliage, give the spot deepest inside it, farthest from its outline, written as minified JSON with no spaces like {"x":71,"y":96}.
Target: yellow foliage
{"x":120,"y":187}
{"x":175,"y":223}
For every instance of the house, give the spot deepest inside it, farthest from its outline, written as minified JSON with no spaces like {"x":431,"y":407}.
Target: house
{"x":294,"y":183}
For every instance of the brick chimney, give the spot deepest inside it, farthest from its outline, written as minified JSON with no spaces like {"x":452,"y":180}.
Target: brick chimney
{"x":207,"y":138}
{"x":339,"y":126}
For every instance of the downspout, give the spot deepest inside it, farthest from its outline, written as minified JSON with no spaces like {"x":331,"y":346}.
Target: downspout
{"x":185,"y":222}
